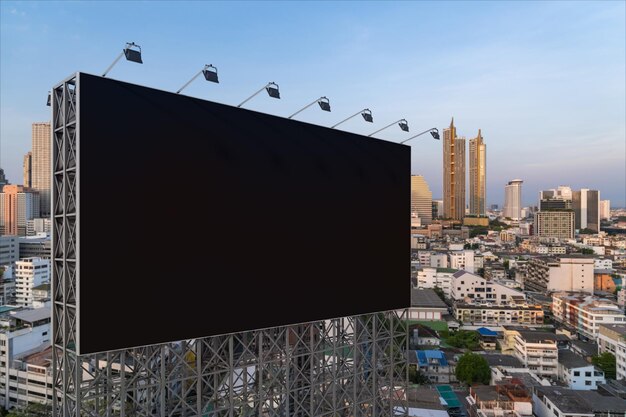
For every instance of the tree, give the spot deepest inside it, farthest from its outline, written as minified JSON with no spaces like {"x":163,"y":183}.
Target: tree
{"x":606,"y":362}
{"x":416,"y":377}
{"x":32,"y":410}
{"x":506,"y":264}
{"x":473,"y":368}
{"x":587,"y":251}
{"x":464,"y":339}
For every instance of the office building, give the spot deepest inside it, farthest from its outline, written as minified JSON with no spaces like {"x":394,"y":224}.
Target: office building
{"x":38,"y":226}
{"x":584,"y":313}
{"x":477,"y":176}
{"x":28,"y":170}
{"x":35,"y":247}
{"x":554,"y":224}
{"x":437,"y":209}
{"x":605,"y":209}
{"x":9,"y":250}
{"x":41,"y":165}
{"x":30,"y":273}
{"x":562,"y":192}
{"x":421,"y":199}
{"x":565,"y":274}
{"x":513,"y":200}
{"x":17,"y":206}
{"x":453,"y":174}
{"x":554,"y":204}
{"x":586,"y":205}
{"x":612,"y":339}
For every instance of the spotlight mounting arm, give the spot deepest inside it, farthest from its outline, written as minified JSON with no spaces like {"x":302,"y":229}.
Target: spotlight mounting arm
{"x":433,"y":131}
{"x":323,"y":102}
{"x":133,"y":55}
{"x":209,"y":72}
{"x":272,"y":90}
{"x":366,"y":113}
{"x":404,"y":125}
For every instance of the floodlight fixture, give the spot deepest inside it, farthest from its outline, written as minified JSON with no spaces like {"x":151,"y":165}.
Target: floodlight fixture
{"x":323,"y":102}
{"x":49,"y":101}
{"x":433,"y":131}
{"x":366,"y":113}
{"x":272,"y":91}
{"x":209,"y":72}
{"x":132,"y":52}
{"x":404,"y":125}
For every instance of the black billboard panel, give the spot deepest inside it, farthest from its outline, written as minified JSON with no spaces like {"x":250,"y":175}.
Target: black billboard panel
{"x":198,"y":219}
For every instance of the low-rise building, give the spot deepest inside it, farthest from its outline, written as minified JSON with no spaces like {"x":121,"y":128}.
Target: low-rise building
{"x":577,"y":373}
{"x":585,"y":313}
{"x":434,"y":365}
{"x":562,"y":402}
{"x":498,"y":314}
{"x":612,"y":339}
{"x":30,"y":273}
{"x":426,"y":305}
{"x":537,"y":350}
{"x":429,"y":277}
{"x":474,"y":288}
{"x":462,"y":259}
{"x":506,"y":399}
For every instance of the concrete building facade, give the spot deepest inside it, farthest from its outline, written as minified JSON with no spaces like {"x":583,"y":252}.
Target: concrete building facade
{"x":477,"y":176}
{"x":453,"y":174}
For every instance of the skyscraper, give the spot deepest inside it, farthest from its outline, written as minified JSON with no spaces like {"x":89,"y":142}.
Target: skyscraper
{"x":477,"y":176}
{"x":586,"y":204}
{"x":40,"y":165}
{"x":605,"y":209}
{"x":421,"y":199}
{"x":28,"y":170}
{"x":453,"y":174}
{"x":513,"y":200}
{"x":18,"y":205}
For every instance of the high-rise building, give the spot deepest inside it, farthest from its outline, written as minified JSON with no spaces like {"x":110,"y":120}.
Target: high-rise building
{"x":3,"y":179}
{"x":41,"y":165}
{"x":30,"y":273}
{"x":562,"y":192}
{"x":28,"y":170}
{"x":586,"y":204}
{"x":555,"y":204}
{"x":555,"y":224}
{"x":421,"y":199}
{"x":17,"y":205}
{"x":605,"y":209}
{"x":513,"y":200}
{"x":453,"y":174}
{"x":477,"y":176}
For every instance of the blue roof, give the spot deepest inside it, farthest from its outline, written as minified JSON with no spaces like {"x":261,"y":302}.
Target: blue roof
{"x":486,"y":332}
{"x":424,"y":357}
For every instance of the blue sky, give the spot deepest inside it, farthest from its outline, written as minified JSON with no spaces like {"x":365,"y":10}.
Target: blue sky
{"x":545,"y":81}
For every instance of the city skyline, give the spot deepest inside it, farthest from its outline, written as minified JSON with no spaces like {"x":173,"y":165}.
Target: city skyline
{"x":499,"y":79}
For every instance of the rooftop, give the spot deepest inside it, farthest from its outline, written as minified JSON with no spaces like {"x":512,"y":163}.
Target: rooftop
{"x":33,"y":315}
{"x":426,"y":298}
{"x":538,"y":336}
{"x":571,"y":360}
{"x":617,"y":328}
{"x":498,"y":359}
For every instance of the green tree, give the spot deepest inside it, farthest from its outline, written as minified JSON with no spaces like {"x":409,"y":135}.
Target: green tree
{"x":473,"y":368}
{"x":416,"y":377}
{"x":586,"y":251}
{"x":606,"y":362}
{"x":506,"y":264}
{"x":464,"y":339}
{"x":32,"y":410}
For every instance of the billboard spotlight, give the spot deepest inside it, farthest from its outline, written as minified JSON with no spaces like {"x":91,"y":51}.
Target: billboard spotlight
{"x":271,"y":88}
{"x":132,"y":52}
{"x":322,"y":101}
{"x":209,"y":72}
{"x":404,"y":125}
{"x":366,"y":113}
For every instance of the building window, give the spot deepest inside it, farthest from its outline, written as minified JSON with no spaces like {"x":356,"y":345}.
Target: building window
{"x":587,"y":373}
{"x":587,"y":382}
{"x":576,"y":373}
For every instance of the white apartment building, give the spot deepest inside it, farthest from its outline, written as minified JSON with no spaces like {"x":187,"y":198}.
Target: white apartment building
{"x":612,"y":339}
{"x":475,"y":289}
{"x":569,"y":273}
{"x":621,"y":297}
{"x":463,"y":259}
{"x":429,"y":277}
{"x":498,"y":314}
{"x":538,"y":351}
{"x":577,"y":373}
{"x":30,"y":273}
{"x":439,"y":260}
{"x":602,"y":263}
{"x":585,"y":313}
{"x":28,"y":333}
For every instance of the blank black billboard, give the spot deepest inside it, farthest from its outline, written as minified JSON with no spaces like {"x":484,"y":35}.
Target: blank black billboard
{"x":199,"y":219}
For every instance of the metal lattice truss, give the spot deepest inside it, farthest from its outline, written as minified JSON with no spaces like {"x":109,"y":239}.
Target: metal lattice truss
{"x":345,"y":367}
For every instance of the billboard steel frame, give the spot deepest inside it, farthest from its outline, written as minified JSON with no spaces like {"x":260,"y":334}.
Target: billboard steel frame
{"x":350,"y":366}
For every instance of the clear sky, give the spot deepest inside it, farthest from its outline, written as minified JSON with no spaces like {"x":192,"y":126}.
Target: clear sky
{"x":545,"y":81}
